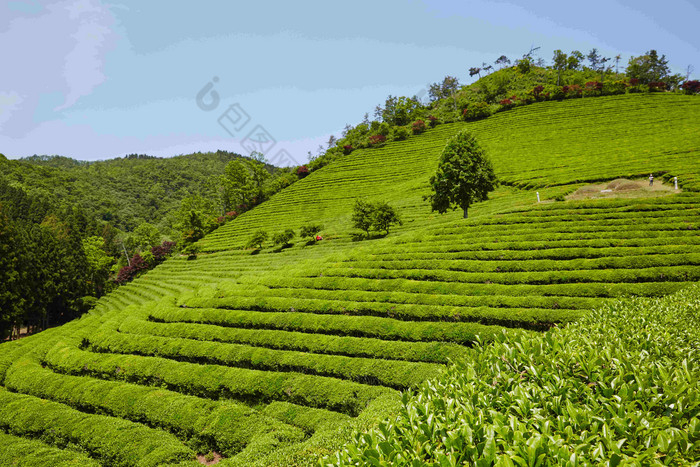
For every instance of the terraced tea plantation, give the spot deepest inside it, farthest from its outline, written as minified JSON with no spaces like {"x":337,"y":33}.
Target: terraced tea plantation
{"x":275,"y":358}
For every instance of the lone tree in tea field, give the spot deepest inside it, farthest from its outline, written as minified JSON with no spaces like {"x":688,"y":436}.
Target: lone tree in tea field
{"x":378,"y":215}
{"x":464,"y":175}
{"x":257,"y":240}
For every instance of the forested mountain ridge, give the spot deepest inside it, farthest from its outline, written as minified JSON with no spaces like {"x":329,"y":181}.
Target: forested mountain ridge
{"x":124,"y":192}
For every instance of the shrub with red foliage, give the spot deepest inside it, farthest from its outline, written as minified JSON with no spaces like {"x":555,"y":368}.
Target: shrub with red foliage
{"x":418,"y":127}
{"x":657,"y":86}
{"x":227,"y":217}
{"x":347,"y":149}
{"x":432,"y":120}
{"x":138,"y":264}
{"x":376,"y":139}
{"x":634,"y":81}
{"x":302,"y":171}
{"x":537,"y":90}
{"x":161,"y":252}
{"x":574,"y":90}
{"x":127,"y":273}
{"x":507,"y":103}
{"x":691,"y":87}
{"x":594,"y":86}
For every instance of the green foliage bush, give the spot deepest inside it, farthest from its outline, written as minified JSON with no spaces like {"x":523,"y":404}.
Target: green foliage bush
{"x":258,"y":239}
{"x":310,"y":230}
{"x":283,"y":238}
{"x":401,"y":133}
{"x":552,"y":92}
{"x":477,"y":111}
{"x":379,"y":216}
{"x":617,"y":388}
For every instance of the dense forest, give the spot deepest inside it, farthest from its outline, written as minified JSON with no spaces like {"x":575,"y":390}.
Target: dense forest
{"x":71,"y":231}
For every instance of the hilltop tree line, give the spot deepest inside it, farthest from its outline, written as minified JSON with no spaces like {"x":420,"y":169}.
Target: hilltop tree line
{"x":502,"y":85}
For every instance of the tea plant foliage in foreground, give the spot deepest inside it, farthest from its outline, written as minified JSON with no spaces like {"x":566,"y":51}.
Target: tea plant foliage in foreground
{"x":618,"y":387}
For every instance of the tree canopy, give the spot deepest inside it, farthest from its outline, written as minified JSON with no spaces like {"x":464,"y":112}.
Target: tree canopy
{"x":648,"y":68}
{"x":464,"y":175}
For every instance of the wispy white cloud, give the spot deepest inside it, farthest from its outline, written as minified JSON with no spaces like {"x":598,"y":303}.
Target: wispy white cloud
{"x":59,"y":50}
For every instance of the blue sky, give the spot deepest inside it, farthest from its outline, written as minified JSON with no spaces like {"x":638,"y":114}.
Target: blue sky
{"x":94,"y":80}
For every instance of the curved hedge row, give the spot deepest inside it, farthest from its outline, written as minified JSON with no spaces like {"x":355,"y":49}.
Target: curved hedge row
{"x":111,"y":440}
{"x":216,"y":382}
{"x":339,"y":325}
{"x":429,"y":352}
{"x":205,"y":425}
{"x":22,"y":452}
{"x":391,"y":373}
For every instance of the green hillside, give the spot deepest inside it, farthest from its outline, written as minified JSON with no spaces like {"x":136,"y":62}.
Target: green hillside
{"x":275,"y":358}
{"x":124,"y":192}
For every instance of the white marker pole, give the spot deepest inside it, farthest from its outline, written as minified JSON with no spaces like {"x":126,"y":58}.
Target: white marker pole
{"x":538,"y":196}
{"x":675,"y":182}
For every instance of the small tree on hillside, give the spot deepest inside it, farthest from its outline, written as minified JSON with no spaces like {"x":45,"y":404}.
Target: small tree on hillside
{"x":362,"y":215}
{"x":283,"y":238}
{"x":574,"y":61}
{"x":502,"y":61}
{"x":257,"y":240}
{"x":593,"y":58}
{"x":310,"y":230}
{"x":560,"y":60}
{"x":379,"y":216}
{"x":649,"y":68}
{"x":448,"y":88}
{"x":464,"y":176}
{"x":385,"y":216}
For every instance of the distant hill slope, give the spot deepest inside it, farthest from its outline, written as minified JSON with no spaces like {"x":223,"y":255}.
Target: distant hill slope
{"x":274,"y":358}
{"x":123,"y":191}
{"x":552,"y":145}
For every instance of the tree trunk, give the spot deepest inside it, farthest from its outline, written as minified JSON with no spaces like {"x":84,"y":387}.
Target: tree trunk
{"x":128,"y":261}
{"x":465,"y":212}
